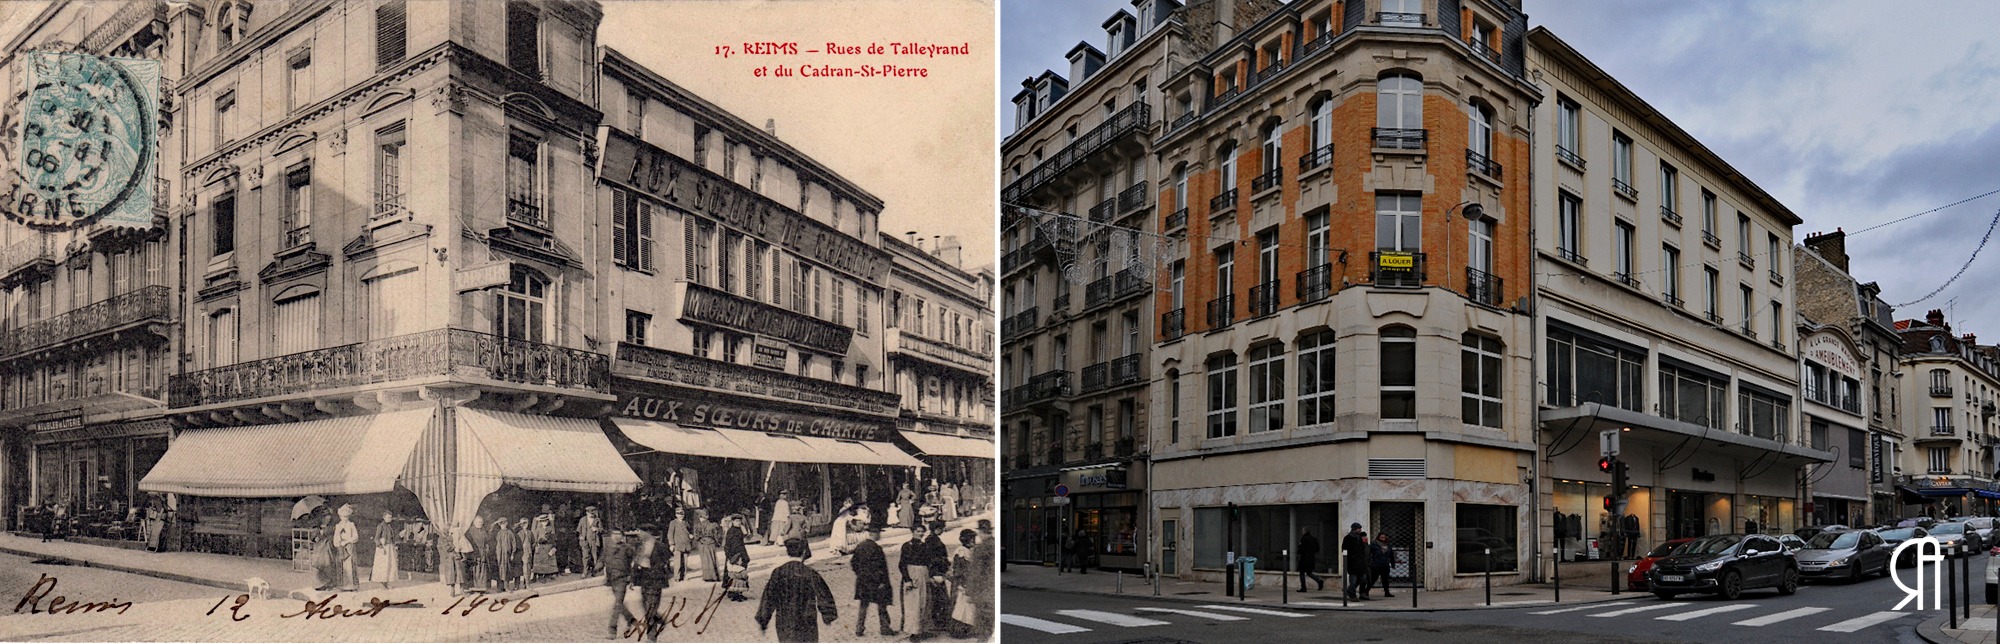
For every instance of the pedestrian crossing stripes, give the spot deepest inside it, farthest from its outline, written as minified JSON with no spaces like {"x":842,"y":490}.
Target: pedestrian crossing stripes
{"x":1639,"y":609}
{"x":1043,"y":625}
{"x":1194,"y":613}
{"x":1774,"y":618}
{"x":1745,"y":615}
{"x":1682,"y":617}
{"x":1863,"y":621}
{"x":1257,"y":611}
{"x":1114,"y":619}
{"x":1578,"y":608}
{"x":1099,"y":618}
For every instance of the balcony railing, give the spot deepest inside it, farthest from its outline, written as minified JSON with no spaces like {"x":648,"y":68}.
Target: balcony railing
{"x":1482,"y":287}
{"x":1943,"y":430}
{"x":1672,"y":300}
{"x":1094,"y":377}
{"x":1315,"y":158}
{"x":1744,"y":258}
{"x":1184,"y":119}
{"x":1315,"y":45}
{"x":1221,"y":311}
{"x":1268,"y":72}
{"x":1133,"y":119}
{"x":1626,"y":278}
{"x":1177,"y":220}
{"x":526,"y":212}
{"x":442,"y":352}
{"x":1747,"y":331}
{"x":1266,"y":181}
{"x":1391,"y":269}
{"x":718,"y":307}
{"x":1227,"y":94}
{"x":299,"y":236}
{"x":1019,"y":323}
{"x":149,"y":303}
{"x":1013,"y":259}
{"x":707,"y":373}
{"x":1624,"y":189}
{"x":1114,"y":287}
{"x":387,"y":206}
{"x":1671,"y":216}
{"x":1777,"y":277}
{"x":1708,"y":237}
{"x":1315,"y":283}
{"x":1400,"y":139}
{"x":1125,"y":448}
{"x":1399,"y":19}
{"x":1173,"y":324}
{"x":35,"y":250}
{"x":1223,"y":202}
{"x":1044,"y":387}
{"x":1569,"y":156}
{"x":1055,"y":456}
{"x":1062,"y":301}
{"x":1125,"y":370}
{"x":1093,"y":452}
{"x":1132,"y":198}
{"x":907,"y":341}
{"x":1477,"y":163}
{"x":1571,"y":256}
{"x":1103,"y":210}
{"x":1713,"y":318}
{"x":1941,"y":391}
{"x":1264,"y":299}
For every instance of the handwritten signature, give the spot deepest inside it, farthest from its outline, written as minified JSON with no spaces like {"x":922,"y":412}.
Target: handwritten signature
{"x":673,"y":613}
{"x":32,"y":601}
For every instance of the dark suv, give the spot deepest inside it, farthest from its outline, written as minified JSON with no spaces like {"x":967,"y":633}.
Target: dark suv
{"x":1726,"y":565}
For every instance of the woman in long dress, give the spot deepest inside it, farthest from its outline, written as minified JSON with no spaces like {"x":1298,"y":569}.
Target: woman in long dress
{"x":506,"y":570}
{"x":386,"y":561}
{"x":840,"y":525}
{"x":322,"y":554}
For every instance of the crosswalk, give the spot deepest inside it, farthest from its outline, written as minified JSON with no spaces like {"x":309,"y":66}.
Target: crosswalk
{"x":1074,"y":620}
{"x":1746,"y":615}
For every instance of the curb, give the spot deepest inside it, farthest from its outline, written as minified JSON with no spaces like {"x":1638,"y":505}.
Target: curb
{"x":1363,"y":607}
{"x":236,"y":585}
{"x":1932,"y":630}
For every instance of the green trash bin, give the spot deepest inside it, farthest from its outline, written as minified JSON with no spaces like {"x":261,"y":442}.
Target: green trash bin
{"x":1249,"y":565}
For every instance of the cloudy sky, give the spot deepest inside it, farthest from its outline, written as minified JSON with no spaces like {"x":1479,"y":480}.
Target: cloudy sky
{"x":1851,"y":113}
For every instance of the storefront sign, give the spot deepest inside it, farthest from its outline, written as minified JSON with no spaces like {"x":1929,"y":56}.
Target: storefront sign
{"x":721,"y":308}
{"x":701,"y":409}
{"x":1827,"y":349}
{"x":680,"y":369}
{"x":692,"y":188}
{"x":80,"y":432}
{"x":1101,"y":478}
{"x":1875,"y":455}
{"x":69,"y":420}
{"x":772,"y":354}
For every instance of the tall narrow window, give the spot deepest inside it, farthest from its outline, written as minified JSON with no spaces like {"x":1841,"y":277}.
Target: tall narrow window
{"x":524,"y":184}
{"x":1225,"y":285}
{"x":222,"y":334}
{"x":1177,"y":285}
{"x":224,"y":234}
{"x":225,"y":118}
{"x":297,"y":325}
{"x":1316,"y":378}
{"x":1621,"y":165}
{"x":805,"y":197}
{"x":1775,"y":255}
{"x":1670,"y":187}
{"x":1777,"y":322}
{"x":1399,"y":222}
{"x":1273,"y":149}
{"x":1479,"y":130}
{"x":729,"y":164}
{"x":1222,"y":396}
{"x":1399,"y":103}
{"x":700,"y":249}
{"x":395,"y":303}
{"x":635,"y":113}
{"x":1180,"y":187}
{"x":637,"y":327}
{"x":1569,"y":226}
{"x":524,"y":39}
{"x":1708,"y":222}
{"x":1321,"y":128}
{"x":1743,"y":237}
{"x":725,"y":261}
{"x":753,"y":269}
{"x":521,"y":309}
{"x":298,"y":79}
{"x":1624,"y":239}
{"x":1267,"y":387}
{"x":389,"y":170}
{"x":1479,"y":371}
{"x":1480,"y":255}
{"x":1318,"y":247}
{"x":1714,"y":288}
{"x":632,"y":231}
{"x":1568,"y":130}
{"x":297,"y":222}
{"x":1266,"y":300}
{"x":391,"y":33}
{"x":1748,"y":304}
{"x":1174,"y":407}
{"x":1399,"y":373}
{"x":1670,"y":273}
{"x":802,"y":281}
{"x":1228,"y":157}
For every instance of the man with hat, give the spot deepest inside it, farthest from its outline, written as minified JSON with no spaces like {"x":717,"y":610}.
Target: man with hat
{"x":1354,"y":562}
{"x":618,"y":576}
{"x":794,"y":595}
{"x":590,"y":538}
{"x":650,"y":571}
{"x":871,"y":581}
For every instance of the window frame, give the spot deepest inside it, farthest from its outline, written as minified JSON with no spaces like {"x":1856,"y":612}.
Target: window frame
{"x":1267,"y":387}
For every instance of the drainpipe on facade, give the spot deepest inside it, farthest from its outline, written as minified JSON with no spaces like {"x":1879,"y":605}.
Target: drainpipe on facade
{"x":1534,"y":341}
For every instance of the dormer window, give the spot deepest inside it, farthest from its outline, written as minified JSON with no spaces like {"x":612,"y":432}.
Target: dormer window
{"x":1112,"y":48}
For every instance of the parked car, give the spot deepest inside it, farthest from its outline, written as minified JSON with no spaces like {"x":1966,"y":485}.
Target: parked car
{"x":1636,"y":575}
{"x":1958,"y":542}
{"x":1993,"y":576}
{"x":1725,"y":565}
{"x":1981,"y":525}
{"x":1808,"y":533}
{"x":1896,"y":536}
{"x":1791,"y":542}
{"x":1846,"y":554}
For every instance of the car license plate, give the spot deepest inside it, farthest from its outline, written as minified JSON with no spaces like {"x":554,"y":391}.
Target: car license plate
{"x":1672,"y":578}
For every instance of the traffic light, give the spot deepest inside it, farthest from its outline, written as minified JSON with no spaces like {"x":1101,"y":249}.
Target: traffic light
{"x":1610,"y":502}
{"x":1618,"y":481}
{"x":1604,"y":464}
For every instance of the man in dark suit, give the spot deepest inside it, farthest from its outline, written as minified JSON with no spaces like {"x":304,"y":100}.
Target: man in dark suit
{"x":1309,"y":559}
{"x":794,"y":595}
{"x":617,"y":575}
{"x":1354,"y":547}
{"x":871,"y":582}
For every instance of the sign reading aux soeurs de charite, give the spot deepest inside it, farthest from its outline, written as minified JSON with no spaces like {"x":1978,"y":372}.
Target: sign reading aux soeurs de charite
{"x":701,"y":409}
{"x":691,"y":188}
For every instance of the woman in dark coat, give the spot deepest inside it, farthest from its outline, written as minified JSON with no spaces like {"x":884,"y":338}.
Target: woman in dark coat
{"x":734,"y":554}
{"x":475,"y":561}
{"x":794,"y":596}
{"x":322,"y":556}
{"x":506,"y":555}
{"x":871,"y":582}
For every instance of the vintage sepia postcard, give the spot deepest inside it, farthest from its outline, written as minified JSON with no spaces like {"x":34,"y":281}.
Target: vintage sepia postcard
{"x":497,"y":320}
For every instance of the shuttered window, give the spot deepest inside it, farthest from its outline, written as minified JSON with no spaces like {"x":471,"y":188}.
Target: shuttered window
{"x":753,"y":270}
{"x":298,"y":324}
{"x":395,"y":303}
{"x":643,"y":224}
{"x":620,"y":236}
{"x":391,"y":33}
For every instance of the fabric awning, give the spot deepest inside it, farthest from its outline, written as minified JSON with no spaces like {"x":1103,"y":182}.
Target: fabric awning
{"x":545,"y":452}
{"x":350,"y":455}
{"x":896,"y":455}
{"x":778,"y":448}
{"x":860,"y":452}
{"x":1938,"y":491}
{"x":949,"y":445}
{"x":675,"y":439}
{"x":1986,"y":494}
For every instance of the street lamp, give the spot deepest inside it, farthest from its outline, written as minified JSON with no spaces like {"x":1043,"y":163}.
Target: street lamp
{"x":1471,"y":211}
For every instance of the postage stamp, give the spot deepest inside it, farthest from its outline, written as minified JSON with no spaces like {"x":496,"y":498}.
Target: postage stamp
{"x":86,"y":144}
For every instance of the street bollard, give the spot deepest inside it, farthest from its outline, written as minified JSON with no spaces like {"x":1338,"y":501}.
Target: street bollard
{"x":1285,"y":595}
{"x":1557,"y":563}
{"x":1489,"y":576}
{"x":1346,"y":579}
{"x":1229,"y":580}
{"x":1243,"y":581}
{"x":1119,"y":576}
{"x":1965,"y":583}
{"x":1413,"y":580}
{"x":1950,"y":590}
{"x":1155,"y":576}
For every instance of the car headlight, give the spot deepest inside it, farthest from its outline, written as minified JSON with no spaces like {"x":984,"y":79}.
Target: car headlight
{"x":1710,"y":566}
{"x":1633,"y":569}
{"x":1838,"y":562}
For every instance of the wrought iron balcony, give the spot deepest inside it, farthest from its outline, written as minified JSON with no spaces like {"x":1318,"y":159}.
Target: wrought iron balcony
{"x":1177,"y":220}
{"x":1223,"y":202}
{"x":1477,"y":163}
{"x":1266,"y":181}
{"x":1019,"y":323}
{"x":1222,"y":311}
{"x":455,"y":353}
{"x":1062,"y":301}
{"x":1748,"y":331}
{"x":1396,"y":269}
{"x":1113,"y":288}
{"x":299,"y":236}
{"x":1569,"y":156}
{"x":1173,"y":324}
{"x":1777,"y":277}
{"x":1400,"y":139}
{"x":1013,"y":259}
{"x":1671,"y":216}
{"x":721,"y":308}
{"x":1399,"y":19}
{"x":908,"y":342}
{"x":149,"y":304}
{"x":1093,"y":452}
{"x":1269,"y":72}
{"x":1571,"y":256}
{"x":1627,"y":279}
{"x":1126,"y":447}
{"x":1227,"y":94}
{"x":31,"y":256}
{"x":1132,"y":198}
{"x":1315,"y":45}
{"x":1044,"y":387}
{"x":1315,"y":159}
{"x":1184,"y":119}
{"x":1672,"y":300}
{"x":526,"y":212}
{"x":1713,"y":318}
{"x":1944,"y":430}
{"x":1134,"y":119}
{"x":1263,"y":299}
{"x":1315,"y":284}
{"x":1054,"y":456}
{"x":1624,"y":189}
{"x":1125,"y":370}
{"x":1102,"y":212}
{"x":1482,"y":287}
{"x":163,"y":195}
{"x":1709,"y":238}
{"x":1744,"y":258}
{"x":1941,"y":391}
{"x":387,"y":206}
{"x":1094,"y":377}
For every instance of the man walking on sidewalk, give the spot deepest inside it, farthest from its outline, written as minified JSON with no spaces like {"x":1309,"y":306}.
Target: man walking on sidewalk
{"x":1379,"y":557}
{"x":794,"y":595}
{"x":871,"y":582}
{"x":1355,"y":563}
{"x":618,"y":575}
{"x":1309,"y":559}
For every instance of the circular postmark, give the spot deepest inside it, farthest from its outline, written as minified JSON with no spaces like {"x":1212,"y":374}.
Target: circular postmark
{"x":85,"y":142}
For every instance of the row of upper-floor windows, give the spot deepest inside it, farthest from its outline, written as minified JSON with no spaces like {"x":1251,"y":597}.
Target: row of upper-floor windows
{"x":1107,"y":340}
{"x":938,"y":321}
{"x":138,"y":370}
{"x":1749,"y":312}
{"x":1584,"y":368}
{"x":104,"y":276}
{"x":741,"y":264}
{"x":928,"y":392}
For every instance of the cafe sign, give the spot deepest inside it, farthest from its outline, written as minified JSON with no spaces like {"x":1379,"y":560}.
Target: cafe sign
{"x":1102,"y":478}
{"x":690,"y":408}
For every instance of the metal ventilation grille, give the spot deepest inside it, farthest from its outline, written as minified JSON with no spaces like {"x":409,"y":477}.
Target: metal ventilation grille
{"x":1395,"y":468}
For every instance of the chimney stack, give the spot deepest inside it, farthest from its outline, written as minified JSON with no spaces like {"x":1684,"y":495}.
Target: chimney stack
{"x":1971,"y":339}
{"x":951,"y":251}
{"x":1935,"y":318}
{"x":771,"y":127}
{"x":1832,"y":246}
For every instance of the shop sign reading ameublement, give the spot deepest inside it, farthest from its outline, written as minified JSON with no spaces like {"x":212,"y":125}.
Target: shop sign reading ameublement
{"x":689,"y":187}
{"x":698,"y":409}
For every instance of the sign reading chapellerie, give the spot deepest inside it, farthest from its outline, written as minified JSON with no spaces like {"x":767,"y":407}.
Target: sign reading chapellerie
{"x":689,"y":187}
{"x":695,"y":409}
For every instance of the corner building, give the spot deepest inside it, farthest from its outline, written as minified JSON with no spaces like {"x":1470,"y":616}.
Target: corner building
{"x":1344,"y":336}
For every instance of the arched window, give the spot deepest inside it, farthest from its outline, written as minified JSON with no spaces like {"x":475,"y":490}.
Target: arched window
{"x":1479,"y":131}
{"x":1399,"y":373}
{"x":1321,"y":130}
{"x":521,"y":309}
{"x":1399,"y":102}
{"x":1479,"y":360}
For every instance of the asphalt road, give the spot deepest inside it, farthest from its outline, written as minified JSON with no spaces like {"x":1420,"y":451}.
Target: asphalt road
{"x":18,"y":575}
{"x":1834,"y":612}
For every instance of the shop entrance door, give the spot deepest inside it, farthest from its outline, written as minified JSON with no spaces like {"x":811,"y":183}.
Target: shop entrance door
{"x":1053,"y":529}
{"x":1684,"y":514}
{"x":1404,"y":523}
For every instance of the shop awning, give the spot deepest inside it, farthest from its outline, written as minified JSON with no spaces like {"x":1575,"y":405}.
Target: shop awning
{"x":861,"y":452}
{"x":545,"y":452}
{"x":351,"y":455}
{"x":1986,"y":494}
{"x":949,"y":445}
{"x":1937,"y":491}
{"x":675,"y":439}
{"x":776,"y":448}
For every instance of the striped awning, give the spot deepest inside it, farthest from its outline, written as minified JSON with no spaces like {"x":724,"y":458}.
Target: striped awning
{"x":950,"y":445}
{"x":543,"y":452}
{"x":787,"y":448}
{"x":675,"y":439}
{"x":350,"y":455}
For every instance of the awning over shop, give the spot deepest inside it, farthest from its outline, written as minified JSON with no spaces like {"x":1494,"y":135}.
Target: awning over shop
{"x":351,"y":455}
{"x":1594,"y":417}
{"x":948,"y":445}
{"x":786,"y":448}
{"x":675,"y":439}
{"x":1934,"y":492}
{"x":776,"y":448}
{"x":544,"y":452}
{"x":1986,"y":494}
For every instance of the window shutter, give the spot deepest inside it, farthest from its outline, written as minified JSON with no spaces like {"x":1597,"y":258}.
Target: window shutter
{"x":645,"y":232}
{"x":391,"y":31}
{"x":620,"y":206}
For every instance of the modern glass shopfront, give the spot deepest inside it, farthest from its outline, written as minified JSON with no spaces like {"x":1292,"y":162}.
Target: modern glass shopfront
{"x":1031,"y":521}
{"x":1267,"y":532}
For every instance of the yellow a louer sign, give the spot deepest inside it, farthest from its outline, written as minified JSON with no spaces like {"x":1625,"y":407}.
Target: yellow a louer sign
{"x":1396,"y":261}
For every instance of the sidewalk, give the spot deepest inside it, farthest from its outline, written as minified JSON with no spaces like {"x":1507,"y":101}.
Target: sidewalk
{"x":1976,"y":630}
{"x":1267,"y":593}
